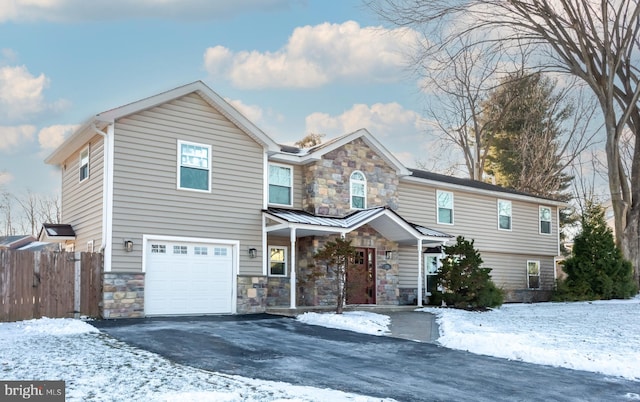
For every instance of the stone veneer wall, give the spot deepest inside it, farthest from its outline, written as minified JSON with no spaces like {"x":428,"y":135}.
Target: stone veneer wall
{"x":252,"y":294}
{"x":278,"y":291}
{"x":320,"y":290}
{"x":326,"y":183}
{"x":122,"y":295}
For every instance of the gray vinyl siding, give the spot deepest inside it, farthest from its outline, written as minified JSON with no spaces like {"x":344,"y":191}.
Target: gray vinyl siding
{"x":146,"y":199}
{"x":476,"y":217}
{"x":82,"y":202}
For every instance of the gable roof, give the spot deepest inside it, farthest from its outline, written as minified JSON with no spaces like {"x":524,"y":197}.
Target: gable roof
{"x":453,"y":182}
{"x":383,"y":219}
{"x":292,"y":154}
{"x":101,"y":120}
{"x":56,"y":232}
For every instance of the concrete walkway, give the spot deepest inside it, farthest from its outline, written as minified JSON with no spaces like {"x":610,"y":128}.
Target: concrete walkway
{"x":414,"y":326}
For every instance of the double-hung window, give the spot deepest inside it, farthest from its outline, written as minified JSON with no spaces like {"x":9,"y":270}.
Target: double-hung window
{"x":533,"y":274}
{"x":277,"y":261}
{"x":545,"y":220}
{"x":194,"y":166}
{"x":84,"y":164}
{"x":445,"y":207}
{"x":280,"y":184}
{"x":504,"y":215}
{"x":358,"y":186}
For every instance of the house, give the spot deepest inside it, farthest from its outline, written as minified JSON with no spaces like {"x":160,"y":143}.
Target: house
{"x":198,"y":211}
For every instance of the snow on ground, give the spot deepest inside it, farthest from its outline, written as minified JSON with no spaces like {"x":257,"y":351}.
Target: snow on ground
{"x":358,"y":321}
{"x":97,"y":367}
{"x":602,"y":336}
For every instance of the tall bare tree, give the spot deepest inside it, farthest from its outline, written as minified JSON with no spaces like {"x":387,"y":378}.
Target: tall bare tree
{"x":594,"y":40}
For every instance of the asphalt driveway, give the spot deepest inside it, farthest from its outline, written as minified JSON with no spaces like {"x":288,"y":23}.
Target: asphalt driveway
{"x":282,"y":349}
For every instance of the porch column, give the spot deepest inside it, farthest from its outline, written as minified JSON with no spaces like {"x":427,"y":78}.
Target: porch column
{"x":292,"y":283}
{"x":419,"y":272}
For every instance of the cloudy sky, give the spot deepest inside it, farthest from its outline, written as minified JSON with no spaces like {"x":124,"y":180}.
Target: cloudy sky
{"x":292,"y":66}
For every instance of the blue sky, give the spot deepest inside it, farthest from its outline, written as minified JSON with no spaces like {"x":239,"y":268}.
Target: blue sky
{"x":292,"y":66}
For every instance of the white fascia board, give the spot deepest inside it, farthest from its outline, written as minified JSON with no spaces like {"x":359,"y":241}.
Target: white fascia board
{"x":498,"y":194}
{"x":74,"y":142}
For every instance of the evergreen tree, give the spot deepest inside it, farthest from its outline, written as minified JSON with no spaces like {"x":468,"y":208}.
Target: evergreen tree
{"x":596,"y":268}
{"x":464,"y":283}
{"x":525,"y":152}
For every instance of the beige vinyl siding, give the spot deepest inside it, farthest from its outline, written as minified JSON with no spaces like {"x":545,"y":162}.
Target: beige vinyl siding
{"x":146,"y":199}
{"x":297,"y":186}
{"x":82,"y":202}
{"x":476,"y":217}
{"x":509,"y":271}
{"x":408,"y":263}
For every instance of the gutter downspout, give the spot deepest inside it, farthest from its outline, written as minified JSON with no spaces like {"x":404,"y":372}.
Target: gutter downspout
{"x":107,"y":193}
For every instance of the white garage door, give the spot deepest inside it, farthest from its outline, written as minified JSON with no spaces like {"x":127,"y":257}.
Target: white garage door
{"x":188,"y":278}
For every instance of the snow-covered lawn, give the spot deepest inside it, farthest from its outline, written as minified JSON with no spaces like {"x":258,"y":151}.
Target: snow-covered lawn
{"x":602,"y":336}
{"x":97,"y":367}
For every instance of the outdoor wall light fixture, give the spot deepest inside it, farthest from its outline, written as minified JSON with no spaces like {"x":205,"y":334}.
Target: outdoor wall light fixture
{"x":388,"y":255}
{"x":253,"y":253}
{"x":128,"y":245}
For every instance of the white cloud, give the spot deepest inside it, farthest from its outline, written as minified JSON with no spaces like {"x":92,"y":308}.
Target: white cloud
{"x":317,"y":55}
{"x":20,"y":92}
{"x":51,"y":137}
{"x":251,"y":112}
{"x":5,"y":178}
{"x":381,"y":119}
{"x":74,"y":10}
{"x":11,"y":137}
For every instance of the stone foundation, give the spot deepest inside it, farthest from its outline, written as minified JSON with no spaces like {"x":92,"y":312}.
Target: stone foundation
{"x":252,"y":294}
{"x":278,"y":292}
{"x":407,"y":296}
{"x":527,"y":296}
{"x":122,"y":295}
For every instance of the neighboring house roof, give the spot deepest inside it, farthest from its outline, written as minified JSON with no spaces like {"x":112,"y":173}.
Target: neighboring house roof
{"x":382,"y":219}
{"x":40,"y":246}
{"x":298,"y":155}
{"x":15,"y":242}
{"x":453,"y":182}
{"x":101,"y":120}
{"x":56,"y":232}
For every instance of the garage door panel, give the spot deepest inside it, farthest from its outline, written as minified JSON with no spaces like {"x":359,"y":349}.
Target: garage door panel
{"x":188,"y":278}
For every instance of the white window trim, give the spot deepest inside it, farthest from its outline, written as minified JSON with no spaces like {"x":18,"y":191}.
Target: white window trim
{"x":87,"y":150}
{"x":179,"y":165}
{"x":351,"y":182}
{"x":286,"y":261}
{"x":540,"y":221}
{"x":290,"y":204}
{"x":511,"y":216}
{"x":438,"y":192}
{"x":539,"y":273}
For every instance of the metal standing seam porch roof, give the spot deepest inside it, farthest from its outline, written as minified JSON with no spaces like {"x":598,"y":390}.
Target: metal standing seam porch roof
{"x":383,"y":219}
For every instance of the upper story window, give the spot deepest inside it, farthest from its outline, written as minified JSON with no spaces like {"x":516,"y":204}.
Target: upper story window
{"x":504,"y":215}
{"x":280,"y":184}
{"x":545,"y":220}
{"x":277,"y":261}
{"x":358,"y":185}
{"x":84,"y":164}
{"x":445,"y":207}
{"x":194,"y":166}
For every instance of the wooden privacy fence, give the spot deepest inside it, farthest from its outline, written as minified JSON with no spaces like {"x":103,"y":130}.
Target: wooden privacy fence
{"x":49,"y":284}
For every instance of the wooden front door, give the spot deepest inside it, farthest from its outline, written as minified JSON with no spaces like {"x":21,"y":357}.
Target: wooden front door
{"x":361,"y":277}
